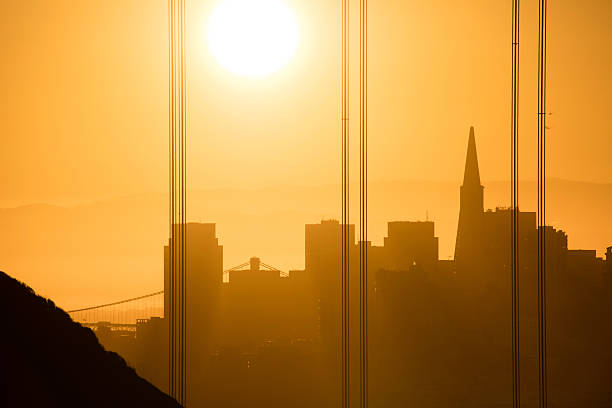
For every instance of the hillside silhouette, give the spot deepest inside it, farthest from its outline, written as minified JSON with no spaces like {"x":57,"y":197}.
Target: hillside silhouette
{"x":49,"y":360}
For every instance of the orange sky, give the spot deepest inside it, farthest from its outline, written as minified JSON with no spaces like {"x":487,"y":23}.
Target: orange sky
{"x":84,"y":103}
{"x":84,"y":99}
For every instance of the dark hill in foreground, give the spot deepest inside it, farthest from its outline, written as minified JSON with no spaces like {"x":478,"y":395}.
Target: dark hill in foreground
{"x":49,"y":360}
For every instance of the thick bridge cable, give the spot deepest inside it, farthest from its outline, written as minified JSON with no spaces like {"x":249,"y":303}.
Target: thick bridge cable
{"x":119,"y":302}
{"x":177,"y":205}
{"x":363,"y":200}
{"x":542,"y":340}
{"x":345,"y":244}
{"x":516,"y":373}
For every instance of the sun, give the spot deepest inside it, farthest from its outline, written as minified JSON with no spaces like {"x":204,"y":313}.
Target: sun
{"x":252,"y":38}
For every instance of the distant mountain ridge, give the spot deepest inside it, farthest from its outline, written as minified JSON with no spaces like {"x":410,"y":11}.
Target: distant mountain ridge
{"x":112,"y":249}
{"x":50,"y":361}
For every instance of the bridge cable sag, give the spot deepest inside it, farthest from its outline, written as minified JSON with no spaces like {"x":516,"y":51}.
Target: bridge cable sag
{"x":119,"y":302}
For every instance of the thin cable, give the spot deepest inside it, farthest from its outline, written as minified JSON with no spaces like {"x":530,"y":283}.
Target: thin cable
{"x":183,"y":153}
{"x":183,"y":285}
{"x":363,"y":202}
{"x":171,"y":305}
{"x":117,"y":302}
{"x":177,"y":207}
{"x":516,"y":399}
{"x":542,"y":333}
{"x":345,"y":393}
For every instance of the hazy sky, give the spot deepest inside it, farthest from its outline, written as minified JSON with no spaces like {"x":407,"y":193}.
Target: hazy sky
{"x":84,"y":108}
{"x":84,"y":101}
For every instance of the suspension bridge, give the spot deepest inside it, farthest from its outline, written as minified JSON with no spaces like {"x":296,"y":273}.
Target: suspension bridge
{"x":125,"y":313}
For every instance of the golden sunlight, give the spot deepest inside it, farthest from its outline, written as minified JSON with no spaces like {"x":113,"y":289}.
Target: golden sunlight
{"x":252,"y":38}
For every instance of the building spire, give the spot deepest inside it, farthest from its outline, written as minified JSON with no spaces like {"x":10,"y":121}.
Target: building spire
{"x":472,"y":206}
{"x":471,"y":177}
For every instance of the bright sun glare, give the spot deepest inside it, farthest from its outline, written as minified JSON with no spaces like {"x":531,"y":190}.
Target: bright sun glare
{"x":252,"y":37}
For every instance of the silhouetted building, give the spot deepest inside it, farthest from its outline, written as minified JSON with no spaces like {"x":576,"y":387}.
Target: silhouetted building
{"x":471,"y":206}
{"x":482,"y":247}
{"x":323,"y":261}
{"x":151,"y":356}
{"x":410,"y":243}
{"x":258,"y":307}
{"x":304,"y":305}
{"x":204,"y":277}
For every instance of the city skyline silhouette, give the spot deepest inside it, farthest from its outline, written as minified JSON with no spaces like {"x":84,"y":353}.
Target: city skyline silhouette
{"x":295,"y":313}
{"x":272,"y":203}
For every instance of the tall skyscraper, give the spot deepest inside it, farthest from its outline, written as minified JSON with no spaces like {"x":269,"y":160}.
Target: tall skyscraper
{"x":471,"y":205}
{"x":323,"y":262}
{"x":203,"y":289}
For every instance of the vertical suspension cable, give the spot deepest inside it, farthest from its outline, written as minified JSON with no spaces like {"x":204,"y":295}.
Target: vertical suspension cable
{"x":183,"y":284}
{"x":516,"y":399}
{"x":177,"y":323}
{"x":345,"y":208}
{"x":363,"y":200}
{"x":171,"y":305}
{"x":181,"y":258}
{"x":542,"y":340}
